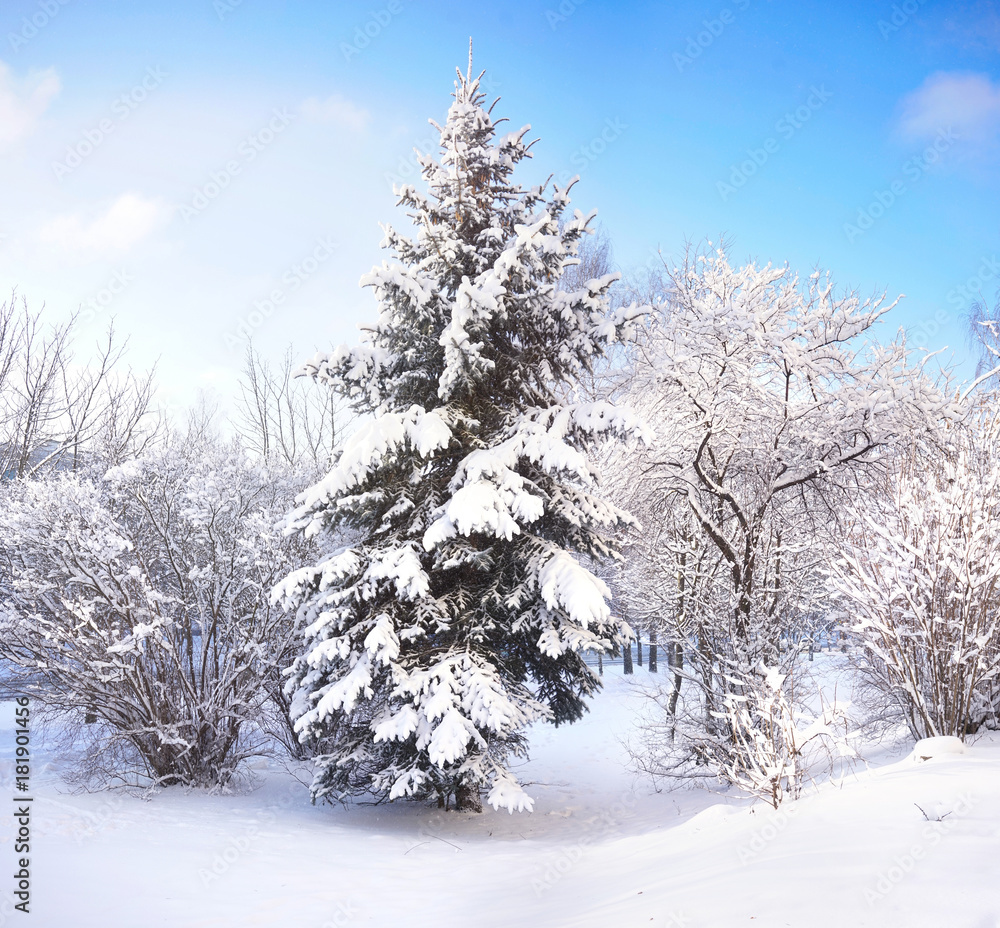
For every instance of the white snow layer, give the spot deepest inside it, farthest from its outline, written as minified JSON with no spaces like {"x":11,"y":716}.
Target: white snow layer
{"x":601,"y":849}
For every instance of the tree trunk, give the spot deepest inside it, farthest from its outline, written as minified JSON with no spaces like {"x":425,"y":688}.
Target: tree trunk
{"x":600,"y":664}
{"x":652,"y":651}
{"x":627,"y":656}
{"x":467,"y":798}
{"x":709,"y":683}
{"x":638,"y":649}
{"x":675,"y":658}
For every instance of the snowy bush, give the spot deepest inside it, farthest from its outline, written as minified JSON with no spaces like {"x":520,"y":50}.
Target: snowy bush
{"x":141,"y":601}
{"x":459,"y":614}
{"x":772,"y":751}
{"x":921,"y":575}
{"x":773,"y":404}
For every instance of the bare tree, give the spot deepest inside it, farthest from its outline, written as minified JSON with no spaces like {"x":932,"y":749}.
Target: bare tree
{"x":984,"y":334}
{"x":55,"y":411}
{"x":283,"y":417}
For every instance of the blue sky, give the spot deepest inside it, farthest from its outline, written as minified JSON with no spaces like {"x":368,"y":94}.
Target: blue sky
{"x":194,"y":166}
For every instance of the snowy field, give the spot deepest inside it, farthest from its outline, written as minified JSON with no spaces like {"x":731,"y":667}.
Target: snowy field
{"x":602,"y":849}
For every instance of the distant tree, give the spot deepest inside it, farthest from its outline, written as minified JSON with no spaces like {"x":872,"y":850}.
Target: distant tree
{"x":458,"y":615}
{"x":58,"y":413}
{"x":283,"y":418}
{"x":594,"y":260}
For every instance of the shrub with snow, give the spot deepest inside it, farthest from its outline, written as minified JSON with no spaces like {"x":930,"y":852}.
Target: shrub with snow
{"x":922,"y":576}
{"x":141,"y":601}
{"x":775,"y":746}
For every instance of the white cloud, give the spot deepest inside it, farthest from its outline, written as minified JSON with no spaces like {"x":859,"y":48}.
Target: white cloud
{"x":112,"y":233}
{"x":22,"y":102}
{"x":969,"y":104}
{"x":336,"y":109}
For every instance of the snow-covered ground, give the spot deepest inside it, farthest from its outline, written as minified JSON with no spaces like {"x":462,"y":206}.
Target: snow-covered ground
{"x":601,"y":849}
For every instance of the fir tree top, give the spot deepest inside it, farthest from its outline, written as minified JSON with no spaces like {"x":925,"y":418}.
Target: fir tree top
{"x":472,"y":305}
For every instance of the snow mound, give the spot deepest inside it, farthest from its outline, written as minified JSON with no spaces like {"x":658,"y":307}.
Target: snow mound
{"x":938,"y":746}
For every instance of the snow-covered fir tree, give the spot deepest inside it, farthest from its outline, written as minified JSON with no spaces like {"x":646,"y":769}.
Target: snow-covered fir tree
{"x":457,"y":615}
